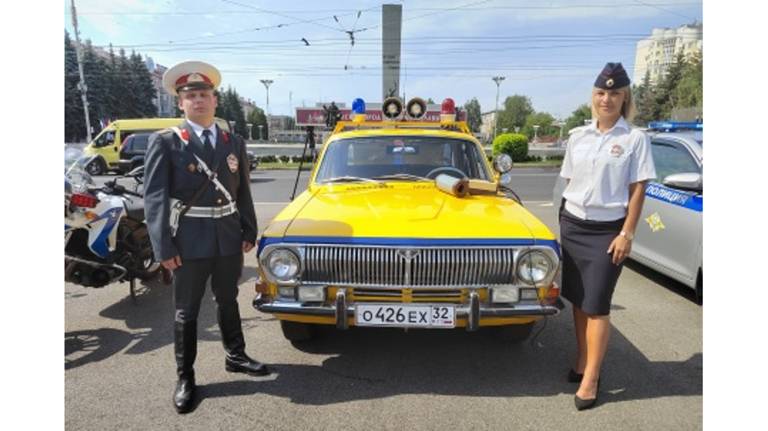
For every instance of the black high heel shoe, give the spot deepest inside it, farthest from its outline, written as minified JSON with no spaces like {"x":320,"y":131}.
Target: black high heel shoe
{"x":574,"y":377}
{"x":584,"y":404}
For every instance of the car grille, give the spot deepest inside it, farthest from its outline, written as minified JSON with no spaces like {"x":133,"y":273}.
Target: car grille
{"x":408,"y":267}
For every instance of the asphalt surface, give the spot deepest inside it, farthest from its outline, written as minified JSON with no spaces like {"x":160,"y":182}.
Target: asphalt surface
{"x":119,"y":366}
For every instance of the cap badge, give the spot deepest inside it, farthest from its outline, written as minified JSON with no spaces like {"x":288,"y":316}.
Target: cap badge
{"x":232,"y":163}
{"x":609,"y":83}
{"x":195,"y":77}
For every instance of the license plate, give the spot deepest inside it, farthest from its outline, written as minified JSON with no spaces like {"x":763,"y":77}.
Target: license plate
{"x":405,"y":315}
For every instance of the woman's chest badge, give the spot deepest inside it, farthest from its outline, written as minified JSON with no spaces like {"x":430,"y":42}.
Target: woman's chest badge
{"x":617,"y":150}
{"x":191,"y":168}
{"x":232,"y":162}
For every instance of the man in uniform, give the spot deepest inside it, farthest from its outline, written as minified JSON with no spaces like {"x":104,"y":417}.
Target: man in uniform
{"x":201,"y":220}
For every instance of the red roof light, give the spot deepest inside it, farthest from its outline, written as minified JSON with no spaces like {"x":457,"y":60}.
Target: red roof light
{"x":448,"y":106}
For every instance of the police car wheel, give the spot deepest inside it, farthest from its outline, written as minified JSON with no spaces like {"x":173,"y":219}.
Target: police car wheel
{"x":513,"y":333}
{"x":700,"y":288}
{"x":296,"y":331}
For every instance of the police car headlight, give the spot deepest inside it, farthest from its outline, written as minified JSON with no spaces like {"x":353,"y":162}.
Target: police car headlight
{"x":535,"y":267}
{"x":283,"y":264}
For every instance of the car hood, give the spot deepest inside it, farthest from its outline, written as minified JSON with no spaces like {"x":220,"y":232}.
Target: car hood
{"x":404,"y":210}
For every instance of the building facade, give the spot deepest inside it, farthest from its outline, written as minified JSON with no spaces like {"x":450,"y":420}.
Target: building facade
{"x":655,"y":54}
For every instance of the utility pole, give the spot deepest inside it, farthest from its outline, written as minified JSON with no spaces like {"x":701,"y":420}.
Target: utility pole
{"x":497,"y":80}
{"x":267,"y":83}
{"x":81,"y":85}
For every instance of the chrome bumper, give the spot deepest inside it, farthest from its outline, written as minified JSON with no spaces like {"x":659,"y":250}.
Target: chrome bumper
{"x":472,"y":311}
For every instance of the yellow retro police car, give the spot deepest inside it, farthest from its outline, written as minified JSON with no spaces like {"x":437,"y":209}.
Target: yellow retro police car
{"x":406,"y":224}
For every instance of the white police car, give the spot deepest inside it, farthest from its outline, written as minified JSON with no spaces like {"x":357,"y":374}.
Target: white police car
{"x":669,"y":233}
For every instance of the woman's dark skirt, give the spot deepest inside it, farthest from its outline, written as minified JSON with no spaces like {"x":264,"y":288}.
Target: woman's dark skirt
{"x":589,"y":276}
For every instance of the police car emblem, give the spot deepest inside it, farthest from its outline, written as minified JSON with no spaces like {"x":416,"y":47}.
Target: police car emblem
{"x":654,"y":221}
{"x":617,"y":150}
{"x":232,"y":162}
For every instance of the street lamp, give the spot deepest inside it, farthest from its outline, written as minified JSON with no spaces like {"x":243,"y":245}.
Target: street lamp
{"x":267,"y":83}
{"x":497,"y":80}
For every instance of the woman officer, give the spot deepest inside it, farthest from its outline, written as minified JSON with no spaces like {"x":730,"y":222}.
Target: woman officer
{"x":607,"y":165}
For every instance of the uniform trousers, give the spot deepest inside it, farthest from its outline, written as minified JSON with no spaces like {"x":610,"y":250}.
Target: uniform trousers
{"x":188,"y":290}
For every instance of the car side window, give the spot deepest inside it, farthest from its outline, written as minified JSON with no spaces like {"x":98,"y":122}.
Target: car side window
{"x":140,"y":142}
{"x":672,"y":158}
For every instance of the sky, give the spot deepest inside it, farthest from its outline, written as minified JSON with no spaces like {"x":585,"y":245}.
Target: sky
{"x":550,"y":51}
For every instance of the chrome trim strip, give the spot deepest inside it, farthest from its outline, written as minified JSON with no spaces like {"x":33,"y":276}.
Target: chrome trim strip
{"x":461,"y":311}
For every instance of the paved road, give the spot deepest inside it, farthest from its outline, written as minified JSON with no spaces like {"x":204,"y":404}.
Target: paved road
{"x":119,"y":362}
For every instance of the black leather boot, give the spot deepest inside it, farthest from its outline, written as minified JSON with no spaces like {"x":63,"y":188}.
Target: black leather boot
{"x":234,"y":343}
{"x":185,"y":349}
{"x":184,"y":396}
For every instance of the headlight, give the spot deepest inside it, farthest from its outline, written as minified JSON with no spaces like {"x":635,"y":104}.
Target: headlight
{"x":283,"y":264}
{"x":534,"y":267}
{"x":502,"y":163}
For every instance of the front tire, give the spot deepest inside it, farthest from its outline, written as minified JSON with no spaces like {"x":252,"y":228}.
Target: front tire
{"x":700,"y":288}
{"x":96,"y":167}
{"x":296,"y":331}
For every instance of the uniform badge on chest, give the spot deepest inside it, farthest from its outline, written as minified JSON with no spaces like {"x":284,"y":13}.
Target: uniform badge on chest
{"x":232,"y":162}
{"x":617,"y":150}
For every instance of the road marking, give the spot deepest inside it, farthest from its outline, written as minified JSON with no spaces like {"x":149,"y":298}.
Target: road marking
{"x":271,"y":203}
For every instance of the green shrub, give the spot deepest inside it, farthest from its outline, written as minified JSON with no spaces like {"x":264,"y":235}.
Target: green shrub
{"x":513,"y":144}
{"x":285,"y":159}
{"x":267,"y":159}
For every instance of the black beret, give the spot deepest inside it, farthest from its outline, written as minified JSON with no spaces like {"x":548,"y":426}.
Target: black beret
{"x":612,"y":76}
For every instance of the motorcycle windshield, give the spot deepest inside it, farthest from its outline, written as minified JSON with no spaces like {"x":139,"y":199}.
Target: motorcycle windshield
{"x":76,"y":178}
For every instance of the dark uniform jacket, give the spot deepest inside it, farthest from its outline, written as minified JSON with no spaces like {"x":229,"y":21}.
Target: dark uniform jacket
{"x":170,"y":170}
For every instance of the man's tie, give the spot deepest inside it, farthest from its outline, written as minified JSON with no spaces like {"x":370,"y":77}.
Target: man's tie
{"x":207,"y":145}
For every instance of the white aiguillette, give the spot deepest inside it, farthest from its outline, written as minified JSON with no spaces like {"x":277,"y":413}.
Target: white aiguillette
{"x":452,"y":185}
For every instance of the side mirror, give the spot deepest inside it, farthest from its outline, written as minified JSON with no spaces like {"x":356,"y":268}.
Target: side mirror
{"x":502,"y":163}
{"x":686,"y":181}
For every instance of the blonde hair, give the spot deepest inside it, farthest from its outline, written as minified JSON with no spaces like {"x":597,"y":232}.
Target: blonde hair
{"x":628,"y":109}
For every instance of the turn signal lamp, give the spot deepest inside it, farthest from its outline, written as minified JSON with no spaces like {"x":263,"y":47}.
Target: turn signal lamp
{"x":448,"y":111}
{"x":358,"y":110}
{"x":83,"y":200}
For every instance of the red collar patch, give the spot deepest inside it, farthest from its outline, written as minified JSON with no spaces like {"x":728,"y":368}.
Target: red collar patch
{"x":185,"y":135}
{"x":226,"y":137}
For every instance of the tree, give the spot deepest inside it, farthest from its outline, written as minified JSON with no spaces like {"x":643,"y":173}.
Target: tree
{"x":229,"y":108}
{"x":474,"y":115}
{"x":257,"y":117}
{"x":74,"y":117}
{"x":516,"y":109}
{"x":689,"y":91}
{"x":141,"y":87}
{"x":583,"y":112}
{"x":544,"y":121}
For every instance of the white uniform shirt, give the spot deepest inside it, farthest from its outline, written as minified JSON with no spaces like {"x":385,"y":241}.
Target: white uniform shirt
{"x":601,"y":166}
{"x":198,"y":129}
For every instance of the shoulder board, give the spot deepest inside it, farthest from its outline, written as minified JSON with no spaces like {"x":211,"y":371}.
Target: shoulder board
{"x":577,"y":130}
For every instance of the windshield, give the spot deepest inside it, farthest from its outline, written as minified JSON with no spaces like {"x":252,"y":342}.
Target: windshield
{"x":76,"y":177}
{"x":406,"y":157}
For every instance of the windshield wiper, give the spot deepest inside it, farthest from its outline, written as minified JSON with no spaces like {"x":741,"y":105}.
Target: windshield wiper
{"x":402,"y":177}
{"x":349,"y":179}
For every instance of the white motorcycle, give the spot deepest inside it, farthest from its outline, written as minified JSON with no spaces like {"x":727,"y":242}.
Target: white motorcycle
{"x":105,"y":237}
